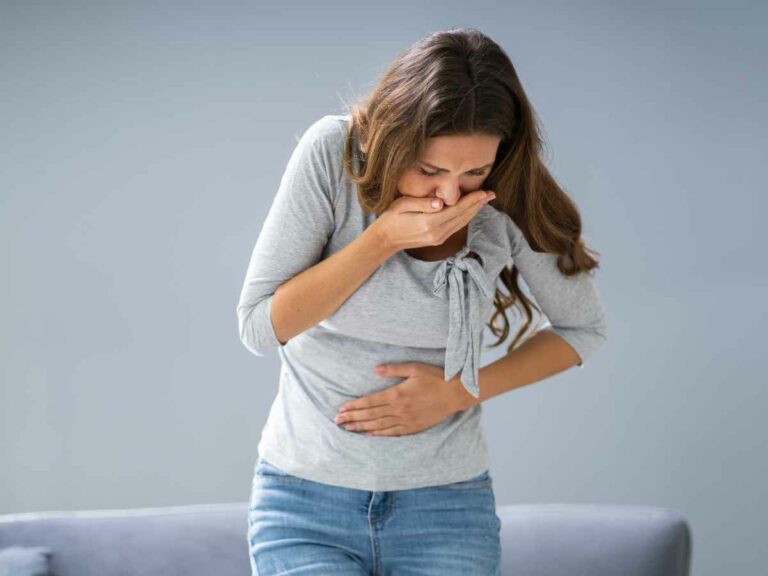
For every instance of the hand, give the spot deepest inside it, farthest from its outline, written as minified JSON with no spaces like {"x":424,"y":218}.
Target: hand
{"x":411,"y":222}
{"x":419,"y":402}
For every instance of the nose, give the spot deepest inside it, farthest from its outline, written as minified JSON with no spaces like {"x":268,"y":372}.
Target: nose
{"x":450,"y":193}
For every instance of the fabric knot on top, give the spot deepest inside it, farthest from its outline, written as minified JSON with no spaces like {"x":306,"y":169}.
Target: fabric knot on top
{"x":463,"y":280}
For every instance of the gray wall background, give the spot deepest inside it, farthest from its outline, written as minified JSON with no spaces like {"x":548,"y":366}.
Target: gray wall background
{"x":141,"y":145}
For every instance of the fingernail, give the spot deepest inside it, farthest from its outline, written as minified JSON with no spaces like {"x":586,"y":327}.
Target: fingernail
{"x":435,"y":203}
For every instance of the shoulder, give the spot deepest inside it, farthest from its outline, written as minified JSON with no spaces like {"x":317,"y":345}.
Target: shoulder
{"x":499,"y":225}
{"x":319,"y":149}
{"x":327,"y":132}
{"x":513,"y":233}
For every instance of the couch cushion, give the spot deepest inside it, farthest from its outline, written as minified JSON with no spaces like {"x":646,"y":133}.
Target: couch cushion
{"x":25,"y":561}
{"x":194,"y":540}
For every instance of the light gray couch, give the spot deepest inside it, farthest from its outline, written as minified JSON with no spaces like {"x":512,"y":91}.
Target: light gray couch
{"x":211,"y":540}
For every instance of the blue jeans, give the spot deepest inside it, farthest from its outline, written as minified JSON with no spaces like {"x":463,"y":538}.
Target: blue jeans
{"x":301,"y":527}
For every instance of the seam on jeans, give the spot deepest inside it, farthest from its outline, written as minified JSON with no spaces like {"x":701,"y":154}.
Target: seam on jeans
{"x":376,"y":564}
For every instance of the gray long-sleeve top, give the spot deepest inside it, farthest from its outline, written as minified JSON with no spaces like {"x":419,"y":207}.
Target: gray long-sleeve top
{"x":408,"y":310}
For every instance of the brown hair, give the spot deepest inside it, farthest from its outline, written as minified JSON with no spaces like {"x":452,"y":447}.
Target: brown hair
{"x":459,"y":81}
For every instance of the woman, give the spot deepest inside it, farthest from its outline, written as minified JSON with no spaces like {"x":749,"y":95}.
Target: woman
{"x":373,"y":276}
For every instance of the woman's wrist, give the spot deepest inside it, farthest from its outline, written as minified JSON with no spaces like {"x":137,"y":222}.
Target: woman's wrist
{"x":379,"y":242}
{"x":461,"y":399}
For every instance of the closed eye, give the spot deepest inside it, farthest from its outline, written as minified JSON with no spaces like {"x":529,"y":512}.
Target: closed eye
{"x":425,"y":173}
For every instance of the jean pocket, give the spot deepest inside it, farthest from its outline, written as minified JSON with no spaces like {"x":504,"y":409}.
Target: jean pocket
{"x":266,"y":469}
{"x":482,"y":480}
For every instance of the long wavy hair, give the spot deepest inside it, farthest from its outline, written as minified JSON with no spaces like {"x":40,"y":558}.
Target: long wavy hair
{"x":459,"y":81}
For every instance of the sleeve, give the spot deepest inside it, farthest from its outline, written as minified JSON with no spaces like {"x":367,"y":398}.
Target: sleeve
{"x":297,"y":228}
{"x":572,"y":304}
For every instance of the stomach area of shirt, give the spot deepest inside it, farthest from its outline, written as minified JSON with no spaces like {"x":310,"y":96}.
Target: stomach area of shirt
{"x":335,"y":368}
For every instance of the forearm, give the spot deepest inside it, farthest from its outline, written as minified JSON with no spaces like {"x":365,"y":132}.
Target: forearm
{"x":544,"y":354}
{"x":317,"y":292}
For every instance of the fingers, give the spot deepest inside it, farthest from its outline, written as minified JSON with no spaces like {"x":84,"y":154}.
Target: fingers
{"x":464,"y":211}
{"x":433,"y":204}
{"x":414,"y":204}
{"x":441,"y":220}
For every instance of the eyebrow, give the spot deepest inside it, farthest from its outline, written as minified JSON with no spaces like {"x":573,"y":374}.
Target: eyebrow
{"x":445,"y":170}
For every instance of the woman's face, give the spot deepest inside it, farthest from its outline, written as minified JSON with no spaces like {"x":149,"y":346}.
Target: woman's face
{"x":448,"y":167}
